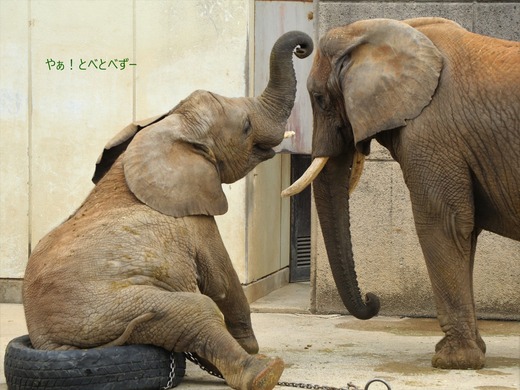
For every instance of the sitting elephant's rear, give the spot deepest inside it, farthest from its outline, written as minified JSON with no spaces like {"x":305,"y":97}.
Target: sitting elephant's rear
{"x":78,"y":274}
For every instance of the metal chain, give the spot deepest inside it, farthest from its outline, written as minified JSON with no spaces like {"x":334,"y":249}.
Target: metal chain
{"x":171,"y":376}
{"x":193,"y":358}
{"x":298,"y":385}
{"x":350,"y":385}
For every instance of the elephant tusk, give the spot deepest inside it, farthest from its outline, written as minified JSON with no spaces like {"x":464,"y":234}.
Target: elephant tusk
{"x":308,"y":176}
{"x":289,"y":134}
{"x":356,"y":171}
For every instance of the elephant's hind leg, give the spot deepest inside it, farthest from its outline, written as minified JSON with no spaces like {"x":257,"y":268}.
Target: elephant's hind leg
{"x":462,"y":347}
{"x":449,"y":255}
{"x":442,"y":203}
{"x":191,"y":322}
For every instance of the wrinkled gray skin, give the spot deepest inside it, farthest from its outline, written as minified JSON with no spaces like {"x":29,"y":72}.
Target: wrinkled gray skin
{"x":446,"y":104}
{"x":142,"y":261}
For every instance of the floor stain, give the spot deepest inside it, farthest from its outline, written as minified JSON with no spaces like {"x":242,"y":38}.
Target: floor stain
{"x":428,"y":327}
{"x":405,"y":326}
{"x":491,"y":372}
{"x":416,"y":367}
{"x":500,"y":361}
{"x":414,"y":383}
{"x":346,"y":345}
{"x":409,"y":368}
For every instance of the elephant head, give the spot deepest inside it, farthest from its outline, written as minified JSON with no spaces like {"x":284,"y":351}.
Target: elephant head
{"x":176,"y":162}
{"x":368,"y":77}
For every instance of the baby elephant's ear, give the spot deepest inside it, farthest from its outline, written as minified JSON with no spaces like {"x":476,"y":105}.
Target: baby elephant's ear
{"x":172,"y":175}
{"x":118,"y":144}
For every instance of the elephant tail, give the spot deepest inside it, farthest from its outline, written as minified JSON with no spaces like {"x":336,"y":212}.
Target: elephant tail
{"x":129,"y":329}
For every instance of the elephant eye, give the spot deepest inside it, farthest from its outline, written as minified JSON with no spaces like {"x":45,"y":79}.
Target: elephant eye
{"x":320,"y":100}
{"x":247,"y":127}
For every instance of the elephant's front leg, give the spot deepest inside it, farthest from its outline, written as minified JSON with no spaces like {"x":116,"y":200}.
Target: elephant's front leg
{"x":235,"y":308}
{"x":191,"y":322}
{"x":218,"y":280}
{"x":449,"y":249}
{"x":237,"y":314}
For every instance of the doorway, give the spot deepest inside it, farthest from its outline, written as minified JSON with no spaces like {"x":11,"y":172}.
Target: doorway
{"x":300,"y":257}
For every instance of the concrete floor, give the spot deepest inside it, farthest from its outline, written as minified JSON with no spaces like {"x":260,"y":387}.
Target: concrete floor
{"x":338,"y":350}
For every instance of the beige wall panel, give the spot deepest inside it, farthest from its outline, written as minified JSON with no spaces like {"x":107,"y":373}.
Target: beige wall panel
{"x":275,"y":18}
{"x":75,"y":111}
{"x":187,"y":45}
{"x":497,"y":277}
{"x":264,"y":219}
{"x":182,"y":46}
{"x":268,"y":214}
{"x":177,"y":46}
{"x":14,"y":130}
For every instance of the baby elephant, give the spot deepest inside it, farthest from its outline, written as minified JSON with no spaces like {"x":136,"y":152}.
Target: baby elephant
{"x":142,"y":261}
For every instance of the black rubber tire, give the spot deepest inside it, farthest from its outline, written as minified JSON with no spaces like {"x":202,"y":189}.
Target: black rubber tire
{"x":114,"y":368}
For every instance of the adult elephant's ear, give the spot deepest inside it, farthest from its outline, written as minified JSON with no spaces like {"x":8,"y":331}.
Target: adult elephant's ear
{"x":171,"y":174}
{"x":387,"y":71}
{"x":118,"y":144}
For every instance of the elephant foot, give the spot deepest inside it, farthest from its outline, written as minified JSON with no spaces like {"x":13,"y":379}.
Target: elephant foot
{"x":459,"y":355}
{"x":480,"y":342}
{"x":270,"y":371}
{"x":259,"y":373}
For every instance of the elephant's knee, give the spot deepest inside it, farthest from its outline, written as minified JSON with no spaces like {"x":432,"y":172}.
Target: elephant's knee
{"x":204,"y":304}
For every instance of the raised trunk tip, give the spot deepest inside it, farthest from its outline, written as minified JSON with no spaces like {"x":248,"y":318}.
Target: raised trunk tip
{"x":281,"y":88}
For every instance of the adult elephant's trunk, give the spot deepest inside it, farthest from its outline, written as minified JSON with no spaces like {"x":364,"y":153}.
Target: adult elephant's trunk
{"x":334,"y":178}
{"x":278,"y":97}
{"x":331,"y":195}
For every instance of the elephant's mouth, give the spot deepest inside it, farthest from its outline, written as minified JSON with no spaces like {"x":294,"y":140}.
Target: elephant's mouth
{"x":265,"y":152}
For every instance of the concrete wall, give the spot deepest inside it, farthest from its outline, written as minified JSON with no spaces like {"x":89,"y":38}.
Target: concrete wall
{"x":388,"y":257}
{"x":54,"y":123}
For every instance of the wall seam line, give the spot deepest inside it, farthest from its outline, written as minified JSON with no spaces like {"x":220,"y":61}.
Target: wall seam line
{"x":134,"y":53}
{"x":30,"y":23}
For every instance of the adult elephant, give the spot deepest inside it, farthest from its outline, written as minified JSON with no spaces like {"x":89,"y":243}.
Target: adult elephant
{"x":446,"y":103}
{"x":142,"y":261}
